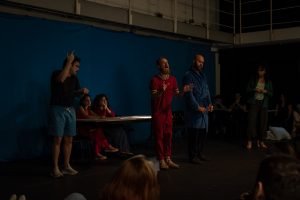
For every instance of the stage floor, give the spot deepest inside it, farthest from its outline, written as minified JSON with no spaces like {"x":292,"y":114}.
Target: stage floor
{"x":231,"y":171}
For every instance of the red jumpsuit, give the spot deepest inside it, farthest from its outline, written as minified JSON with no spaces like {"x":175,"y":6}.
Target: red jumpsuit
{"x":161,"y":107}
{"x":94,"y":133}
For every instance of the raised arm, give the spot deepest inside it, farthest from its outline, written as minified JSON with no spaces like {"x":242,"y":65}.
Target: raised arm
{"x":66,"y":69}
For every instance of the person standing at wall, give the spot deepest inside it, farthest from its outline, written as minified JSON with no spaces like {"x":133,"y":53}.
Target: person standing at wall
{"x":198,"y":104}
{"x":259,"y":92}
{"x":62,"y":118}
{"x":163,"y":87}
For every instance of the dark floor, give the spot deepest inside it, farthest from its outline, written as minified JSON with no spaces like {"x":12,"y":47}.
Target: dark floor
{"x":231,"y":171}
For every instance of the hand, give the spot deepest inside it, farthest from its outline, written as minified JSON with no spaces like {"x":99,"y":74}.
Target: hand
{"x":105,"y":105}
{"x":201,"y":109}
{"x":259,"y":90}
{"x":70,"y":56}
{"x":210,"y":108}
{"x":85,"y":90}
{"x":188,"y":88}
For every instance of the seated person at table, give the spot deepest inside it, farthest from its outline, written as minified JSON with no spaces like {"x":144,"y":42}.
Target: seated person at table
{"x":116,"y":134}
{"x":94,"y":133}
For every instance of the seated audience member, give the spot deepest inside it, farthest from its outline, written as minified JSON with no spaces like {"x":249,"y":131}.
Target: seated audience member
{"x":219,"y":116}
{"x":296,"y":129}
{"x":286,"y":148}
{"x":75,"y":196}
{"x":116,"y":134}
{"x":296,"y":122}
{"x":278,"y":178}
{"x":219,"y":104}
{"x":94,"y":133}
{"x":238,"y":116}
{"x":283,"y":116}
{"x":136,"y":179}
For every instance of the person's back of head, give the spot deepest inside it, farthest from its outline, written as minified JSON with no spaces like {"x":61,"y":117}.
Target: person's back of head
{"x":278,"y":178}
{"x":136,"y":179}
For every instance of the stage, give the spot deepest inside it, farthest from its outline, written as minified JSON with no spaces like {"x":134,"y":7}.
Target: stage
{"x":231,"y":171}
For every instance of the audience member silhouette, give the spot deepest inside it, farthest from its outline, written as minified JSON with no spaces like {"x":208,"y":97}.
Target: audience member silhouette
{"x":283,"y":116}
{"x":220,"y":116}
{"x":278,"y":178}
{"x":296,"y":122}
{"x":136,"y":179}
{"x":238,"y":116}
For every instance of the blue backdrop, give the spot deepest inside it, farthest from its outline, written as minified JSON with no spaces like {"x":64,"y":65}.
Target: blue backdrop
{"x":119,"y":64}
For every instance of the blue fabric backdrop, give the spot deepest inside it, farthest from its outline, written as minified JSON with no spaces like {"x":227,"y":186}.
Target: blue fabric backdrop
{"x":119,"y":64}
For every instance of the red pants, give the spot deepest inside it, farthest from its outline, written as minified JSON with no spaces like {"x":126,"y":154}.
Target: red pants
{"x":97,"y":136}
{"x":162,"y":130}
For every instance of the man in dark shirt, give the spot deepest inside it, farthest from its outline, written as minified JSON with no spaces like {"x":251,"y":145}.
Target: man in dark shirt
{"x":62,"y":120}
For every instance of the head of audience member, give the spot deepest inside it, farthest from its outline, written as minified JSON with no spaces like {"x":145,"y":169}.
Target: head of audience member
{"x":75,"y":196}
{"x":218,"y":99}
{"x":278,"y":178}
{"x":237,"y":98}
{"x":286,"y":147}
{"x":163,"y":65}
{"x":198,"y":62}
{"x":297,"y":108}
{"x":136,"y":179}
{"x":75,"y":64}
{"x":100,"y":102}
{"x":85,"y":101}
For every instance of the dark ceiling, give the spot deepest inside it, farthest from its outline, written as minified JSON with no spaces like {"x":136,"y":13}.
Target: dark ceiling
{"x":256,"y":16}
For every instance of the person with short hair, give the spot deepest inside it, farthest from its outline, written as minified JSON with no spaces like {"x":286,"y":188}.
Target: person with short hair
{"x":62,"y":118}
{"x":197,"y":106}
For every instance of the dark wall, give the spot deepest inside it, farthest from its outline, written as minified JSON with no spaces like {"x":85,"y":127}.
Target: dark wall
{"x":238,"y":65}
{"x":119,"y":64}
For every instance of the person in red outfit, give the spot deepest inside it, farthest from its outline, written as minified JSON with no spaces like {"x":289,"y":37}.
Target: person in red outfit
{"x":163,"y":87}
{"x":94,"y":133}
{"x":115,"y":133}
